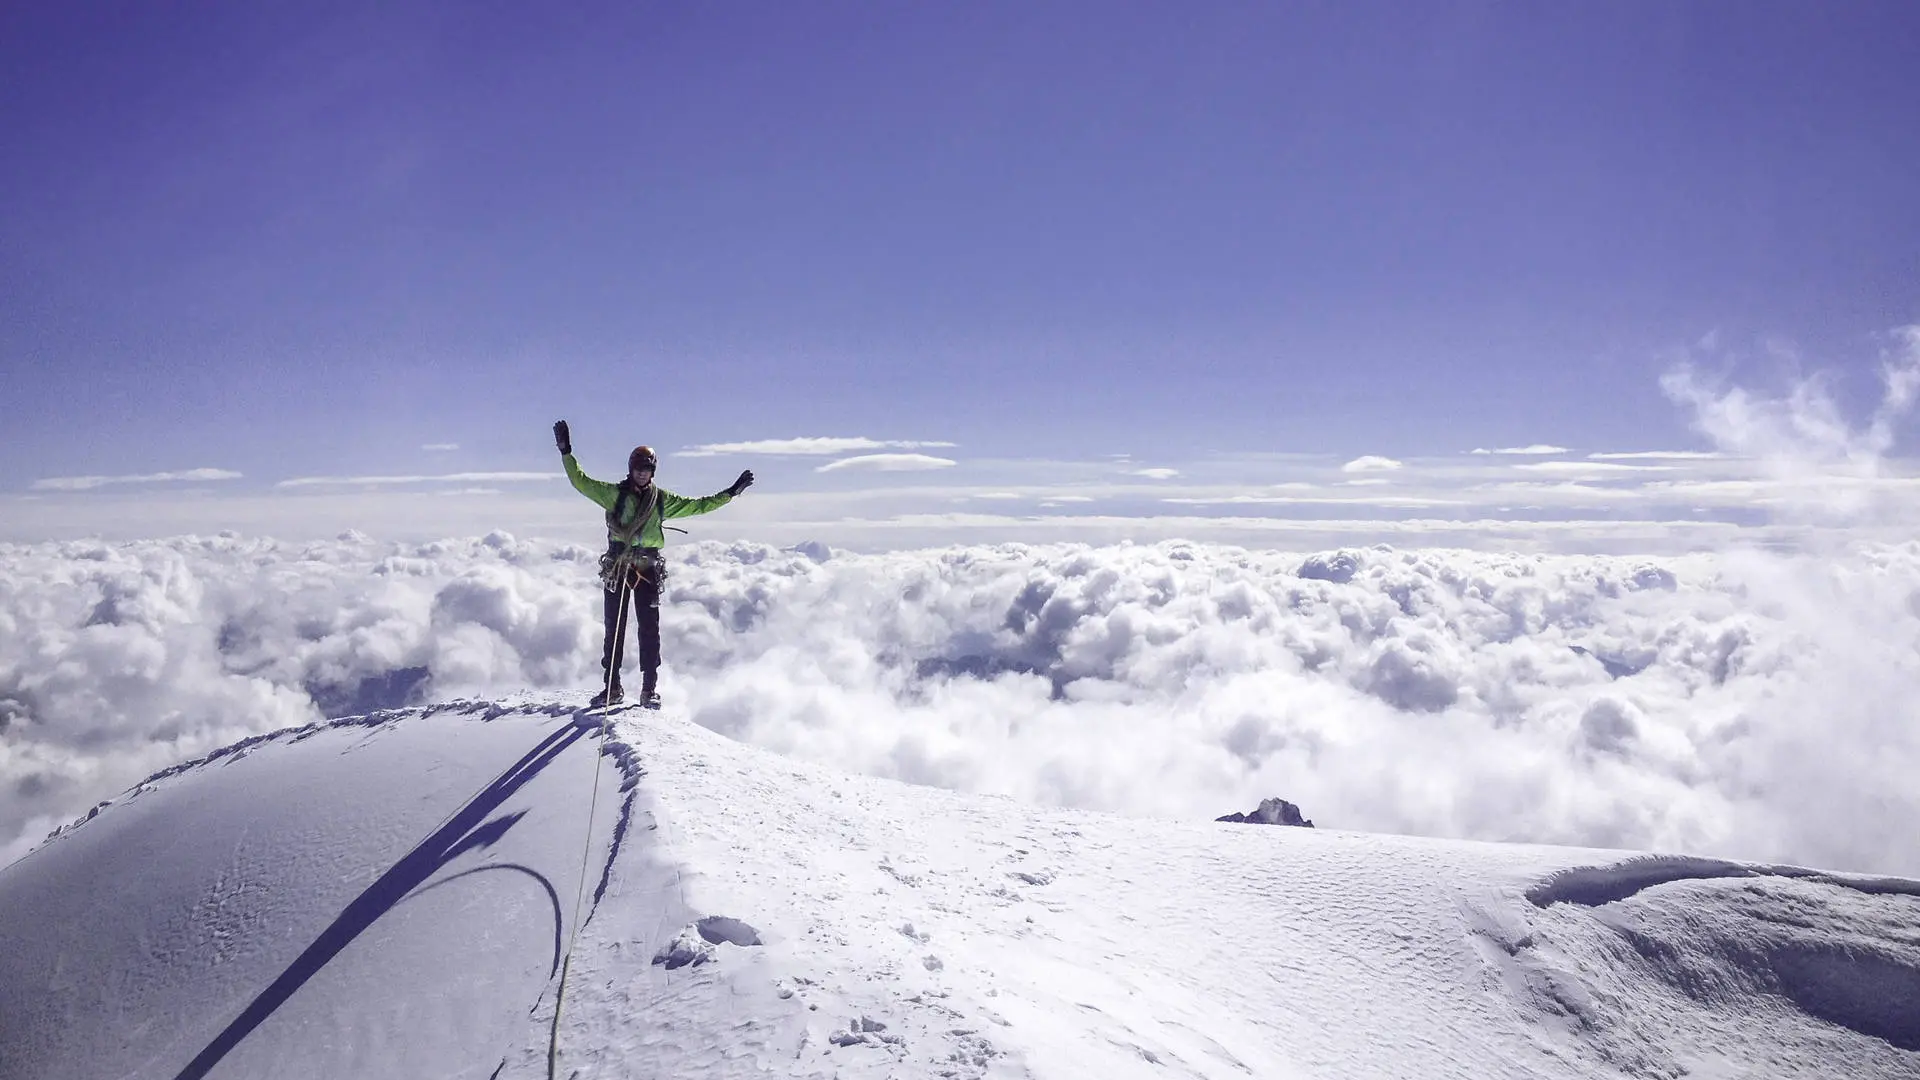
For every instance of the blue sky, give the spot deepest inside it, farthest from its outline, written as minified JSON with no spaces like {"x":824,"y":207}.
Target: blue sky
{"x":289,"y":243}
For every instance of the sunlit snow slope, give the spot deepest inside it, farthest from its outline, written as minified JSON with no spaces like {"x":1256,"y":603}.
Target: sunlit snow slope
{"x":389,"y":896}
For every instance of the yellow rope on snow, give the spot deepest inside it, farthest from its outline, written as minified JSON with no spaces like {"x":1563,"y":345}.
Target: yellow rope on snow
{"x":586,"y":849}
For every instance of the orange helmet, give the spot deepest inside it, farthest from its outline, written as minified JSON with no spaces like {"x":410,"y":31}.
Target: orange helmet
{"x":642,"y":457}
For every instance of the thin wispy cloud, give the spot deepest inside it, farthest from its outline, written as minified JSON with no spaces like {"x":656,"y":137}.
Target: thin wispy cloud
{"x":1661,"y":455}
{"x":1591,"y":468}
{"x":1734,"y":491}
{"x":1823,"y":463}
{"x":1567,"y":535}
{"x":1541,"y":449}
{"x":1778,"y":452}
{"x":1794,"y":491}
{"x":811,"y":446}
{"x":440,"y":447}
{"x":1371,"y":463}
{"x":889,"y":463}
{"x":1396,"y":501}
{"x":1557,"y":493}
{"x":392,"y":481}
{"x":84,"y":483}
{"x":1807,"y":428}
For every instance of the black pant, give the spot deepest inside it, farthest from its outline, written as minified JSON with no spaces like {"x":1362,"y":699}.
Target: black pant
{"x":645,"y":592}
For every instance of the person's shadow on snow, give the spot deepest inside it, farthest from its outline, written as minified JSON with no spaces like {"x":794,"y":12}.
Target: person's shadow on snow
{"x":468,"y":830}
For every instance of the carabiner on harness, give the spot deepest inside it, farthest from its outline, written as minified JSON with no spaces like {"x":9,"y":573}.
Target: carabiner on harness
{"x":630,"y":566}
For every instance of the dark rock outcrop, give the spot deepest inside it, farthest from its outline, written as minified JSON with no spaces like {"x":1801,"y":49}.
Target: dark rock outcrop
{"x":1271,"y":812}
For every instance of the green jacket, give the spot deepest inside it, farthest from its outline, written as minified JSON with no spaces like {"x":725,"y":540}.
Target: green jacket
{"x":666,"y":505}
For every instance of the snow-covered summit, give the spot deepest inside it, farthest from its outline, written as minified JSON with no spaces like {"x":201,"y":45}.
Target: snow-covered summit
{"x":393,"y":895}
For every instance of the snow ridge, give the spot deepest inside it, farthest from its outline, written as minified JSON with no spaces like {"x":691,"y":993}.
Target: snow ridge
{"x":482,"y":711}
{"x":385,"y":884}
{"x":376,"y":897}
{"x":627,"y":760}
{"x":1844,"y":949}
{"x":469,"y":828}
{"x":1593,"y":886}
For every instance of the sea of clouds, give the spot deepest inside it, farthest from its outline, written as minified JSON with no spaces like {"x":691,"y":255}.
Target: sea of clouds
{"x":1744,"y":704}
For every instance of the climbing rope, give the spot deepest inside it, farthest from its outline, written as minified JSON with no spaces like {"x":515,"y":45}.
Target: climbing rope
{"x":586,"y":848}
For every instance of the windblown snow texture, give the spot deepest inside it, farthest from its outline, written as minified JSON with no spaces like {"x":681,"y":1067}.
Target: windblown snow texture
{"x":257,"y":894}
{"x":387,"y":895}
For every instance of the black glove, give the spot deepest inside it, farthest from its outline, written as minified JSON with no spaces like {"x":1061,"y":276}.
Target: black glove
{"x":742,"y":484}
{"x":562,"y":437}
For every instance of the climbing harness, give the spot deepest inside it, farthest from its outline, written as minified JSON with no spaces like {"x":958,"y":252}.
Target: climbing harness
{"x":621,"y":569}
{"x":626,"y":561}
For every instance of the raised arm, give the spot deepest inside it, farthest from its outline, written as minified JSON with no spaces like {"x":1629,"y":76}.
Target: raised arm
{"x":601,"y":492}
{"x":679,"y":506}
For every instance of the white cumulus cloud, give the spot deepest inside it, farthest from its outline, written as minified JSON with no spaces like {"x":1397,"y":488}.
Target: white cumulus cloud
{"x":1745,"y":705}
{"x":1370,"y":463}
{"x":1540,"y":449}
{"x":1161,"y":473}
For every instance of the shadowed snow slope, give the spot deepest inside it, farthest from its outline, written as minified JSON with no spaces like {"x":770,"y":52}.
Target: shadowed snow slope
{"x":388,"y":896}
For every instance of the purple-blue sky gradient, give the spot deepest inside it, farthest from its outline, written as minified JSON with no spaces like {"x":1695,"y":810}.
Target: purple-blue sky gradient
{"x":297,"y":238}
